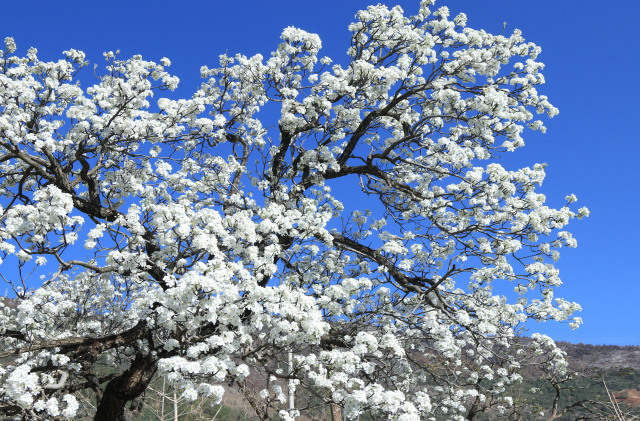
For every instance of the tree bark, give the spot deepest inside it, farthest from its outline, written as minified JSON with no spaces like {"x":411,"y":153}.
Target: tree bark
{"x":175,"y":407}
{"x":474,"y":409}
{"x":126,"y":387}
{"x":336,"y":412}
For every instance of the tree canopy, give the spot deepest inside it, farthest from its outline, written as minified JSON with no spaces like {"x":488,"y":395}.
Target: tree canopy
{"x":203,"y":239}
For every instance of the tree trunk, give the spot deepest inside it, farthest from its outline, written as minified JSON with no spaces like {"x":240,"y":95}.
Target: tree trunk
{"x":175,"y":407}
{"x":124,"y":388}
{"x":336,"y":412}
{"x":474,"y":409}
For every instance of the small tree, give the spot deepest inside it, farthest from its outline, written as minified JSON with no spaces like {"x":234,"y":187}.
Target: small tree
{"x":163,"y":403}
{"x":201,"y":239}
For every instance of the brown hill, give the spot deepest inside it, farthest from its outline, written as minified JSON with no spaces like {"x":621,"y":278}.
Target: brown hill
{"x":604,"y":357}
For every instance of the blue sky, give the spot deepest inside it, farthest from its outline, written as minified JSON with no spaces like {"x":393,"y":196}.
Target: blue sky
{"x":591,"y":148}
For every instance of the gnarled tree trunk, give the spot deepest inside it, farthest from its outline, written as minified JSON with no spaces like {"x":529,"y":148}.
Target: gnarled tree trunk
{"x":126,"y":387}
{"x":336,"y":412}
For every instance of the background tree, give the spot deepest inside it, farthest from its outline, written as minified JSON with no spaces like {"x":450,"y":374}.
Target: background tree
{"x":200,"y":239}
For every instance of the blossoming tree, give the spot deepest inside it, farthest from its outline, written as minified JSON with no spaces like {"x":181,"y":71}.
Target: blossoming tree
{"x":202,"y":239}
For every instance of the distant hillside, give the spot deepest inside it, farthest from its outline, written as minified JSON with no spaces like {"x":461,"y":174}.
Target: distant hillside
{"x":605,"y":357}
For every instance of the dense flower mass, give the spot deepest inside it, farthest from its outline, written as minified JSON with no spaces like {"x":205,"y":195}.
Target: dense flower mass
{"x":205,"y":239}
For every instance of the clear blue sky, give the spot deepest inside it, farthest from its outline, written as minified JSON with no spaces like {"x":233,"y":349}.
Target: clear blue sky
{"x":592,"y":148}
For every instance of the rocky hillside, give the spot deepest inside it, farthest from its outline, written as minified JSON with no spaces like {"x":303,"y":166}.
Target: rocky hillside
{"x":605,"y":357}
